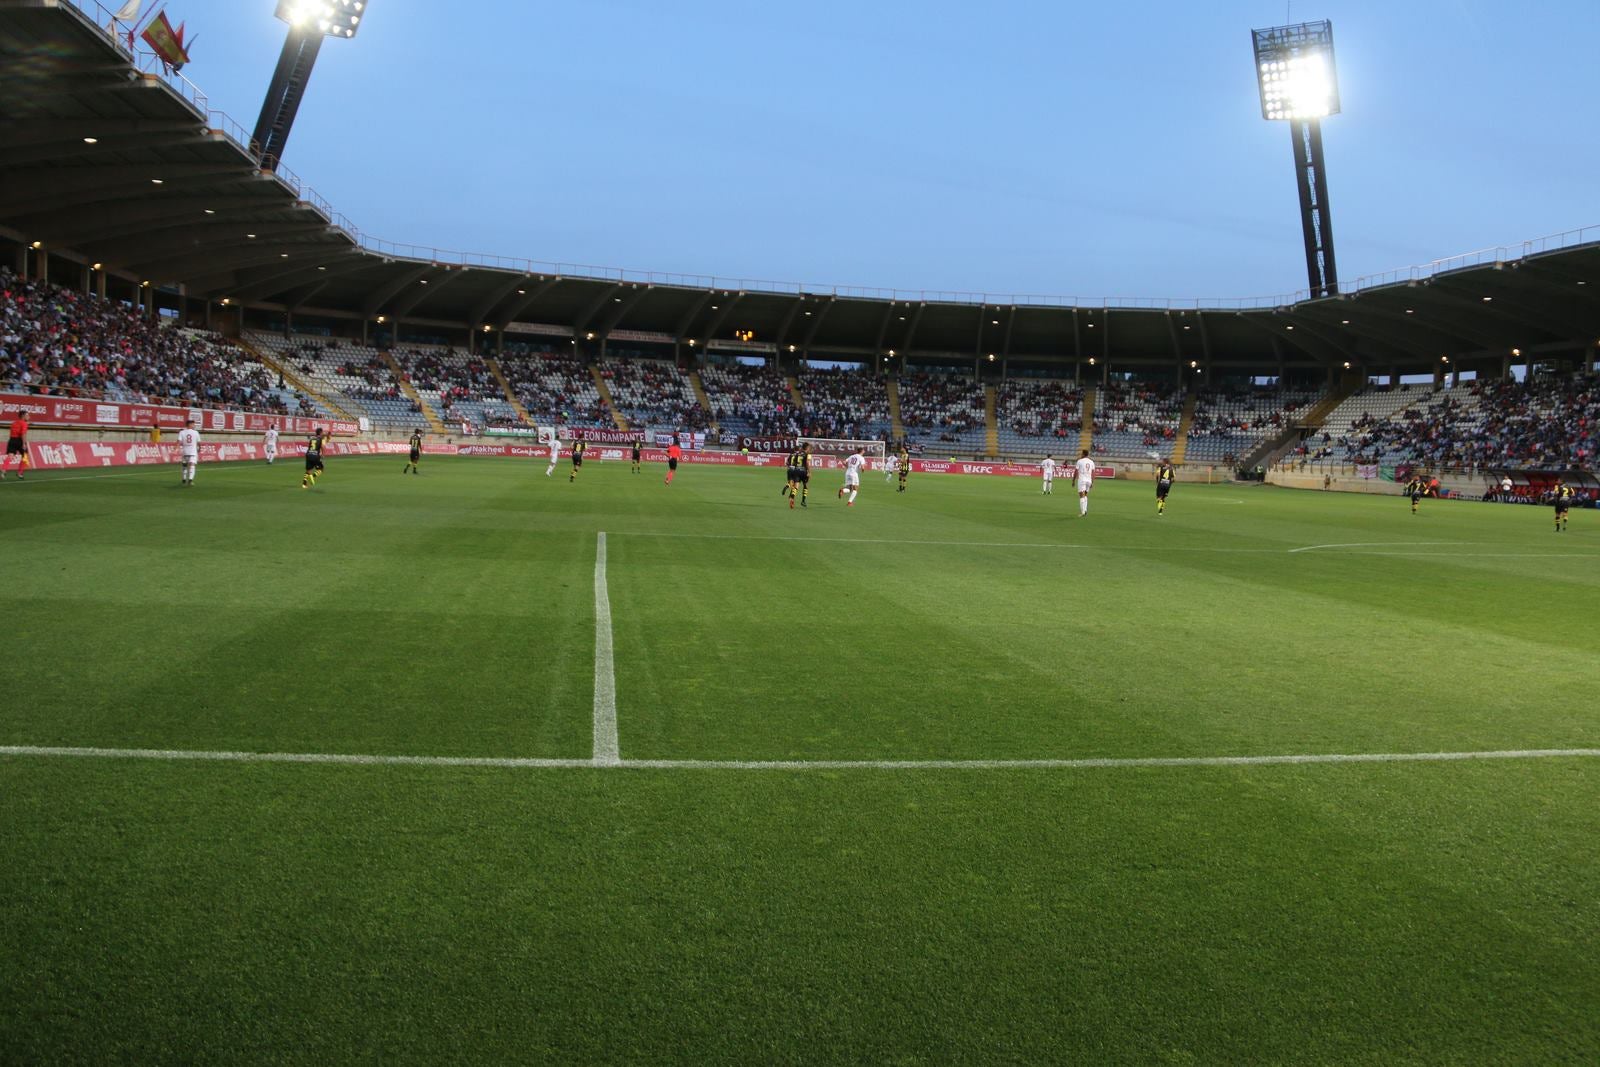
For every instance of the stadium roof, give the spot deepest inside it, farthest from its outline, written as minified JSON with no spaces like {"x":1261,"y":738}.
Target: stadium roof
{"x":107,"y":158}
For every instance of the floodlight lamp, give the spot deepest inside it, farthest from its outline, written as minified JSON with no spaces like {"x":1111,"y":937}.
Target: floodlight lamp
{"x":1295,"y":71}
{"x":332,"y":18}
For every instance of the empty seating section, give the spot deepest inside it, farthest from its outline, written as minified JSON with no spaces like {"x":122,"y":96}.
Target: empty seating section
{"x":64,"y":341}
{"x":555,"y":389}
{"x":351,"y":375}
{"x":653,"y":395}
{"x":749,"y":400}
{"x":1229,"y":422}
{"x":844,"y":403}
{"x":458,"y":386}
{"x":1548,"y":423}
{"x":940,"y":411}
{"x":1131,"y":419}
{"x":1043,"y":417}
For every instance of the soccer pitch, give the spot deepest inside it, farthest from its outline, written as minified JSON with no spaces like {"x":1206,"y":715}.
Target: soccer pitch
{"x":950,"y":775}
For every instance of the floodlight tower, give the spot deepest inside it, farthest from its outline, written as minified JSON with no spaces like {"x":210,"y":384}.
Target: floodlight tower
{"x":1295,"y":72}
{"x":309,"y":22}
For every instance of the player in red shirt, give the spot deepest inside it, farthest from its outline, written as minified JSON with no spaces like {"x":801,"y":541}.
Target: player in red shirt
{"x":17,"y":444}
{"x":674,"y":453}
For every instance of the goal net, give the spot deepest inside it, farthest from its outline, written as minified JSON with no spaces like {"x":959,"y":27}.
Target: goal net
{"x":844,"y":446}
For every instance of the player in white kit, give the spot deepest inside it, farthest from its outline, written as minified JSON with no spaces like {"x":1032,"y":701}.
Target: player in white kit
{"x":270,"y":445}
{"x":555,"y":455}
{"x":889,"y":468}
{"x":852,"y":476}
{"x":189,"y":450}
{"x":1085,"y":472}
{"x":1048,"y":469}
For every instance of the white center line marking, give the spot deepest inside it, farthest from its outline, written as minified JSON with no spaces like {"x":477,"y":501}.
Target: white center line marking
{"x":606,"y":752}
{"x":186,"y":755}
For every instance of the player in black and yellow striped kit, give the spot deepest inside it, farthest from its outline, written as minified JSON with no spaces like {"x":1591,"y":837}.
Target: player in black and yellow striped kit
{"x":1414,"y":489}
{"x":313,"y":459}
{"x":414,"y":466}
{"x":902,"y":464}
{"x":800,"y":475}
{"x":1563,"y":500}
{"x":791,"y":476}
{"x":577,"y":460}
{"x":1165,"y":476}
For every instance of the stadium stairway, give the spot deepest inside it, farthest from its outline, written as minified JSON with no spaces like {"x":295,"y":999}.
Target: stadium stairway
{"x":892,"y":386}
{"x":505,"y":387}
{"x":705,"y":402}
{"x":604,"y":390}
{"x":1180,"y":447}
{"x":991,"y":425}
{"x":292,"y":379}
{"x":1273,"y":448}
{"x":1086,"y":437}
{"x":435,"y":423}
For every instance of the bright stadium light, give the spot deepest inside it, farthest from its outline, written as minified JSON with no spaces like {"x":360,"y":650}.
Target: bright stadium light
{"x":1295,"y":71}
{"x":334,"y":18}
{"x":1299,"y":84}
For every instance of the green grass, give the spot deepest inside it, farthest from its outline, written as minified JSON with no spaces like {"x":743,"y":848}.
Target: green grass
{"x":180,"y":911}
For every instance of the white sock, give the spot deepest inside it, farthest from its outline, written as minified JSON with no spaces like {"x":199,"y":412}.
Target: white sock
{"x":1083,"y":505}
{"x":852,"y":496}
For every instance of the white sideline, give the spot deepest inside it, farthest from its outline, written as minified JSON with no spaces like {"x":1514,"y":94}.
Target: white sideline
{"x":605,"y":679}
{"x":791,"y":765}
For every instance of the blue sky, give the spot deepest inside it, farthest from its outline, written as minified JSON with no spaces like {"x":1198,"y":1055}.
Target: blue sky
{"x":1089,"y":150}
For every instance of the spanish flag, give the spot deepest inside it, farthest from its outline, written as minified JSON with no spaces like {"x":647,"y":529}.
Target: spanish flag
{"x":166,"y":42}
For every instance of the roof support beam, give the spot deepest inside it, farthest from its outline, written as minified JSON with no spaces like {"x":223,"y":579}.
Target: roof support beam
{"x":620,"y":306}
{"x":584,"y":322}
{"x":816,"y":323}
{"x":723,"y":311}
{"x":883,"y":330}
{"x":425,"y":288}
{"x":379,"y":297}
{"x":480,"y":313}
{"x":691,"y":315}
{"x":258,"y":285}
{"x":1283,"y":333}
{"x":911,"y":328}
{"x":526,"y":299}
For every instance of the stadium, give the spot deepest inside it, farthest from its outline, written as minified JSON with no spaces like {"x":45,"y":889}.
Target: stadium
{"x":456,"y":747}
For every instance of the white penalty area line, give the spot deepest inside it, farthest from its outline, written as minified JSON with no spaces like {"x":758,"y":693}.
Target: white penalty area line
{"x":1376,"y":544}
{"x":185,"y":755}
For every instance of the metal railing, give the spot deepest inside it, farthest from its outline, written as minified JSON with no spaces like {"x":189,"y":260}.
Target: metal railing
{"x":148,"y":62}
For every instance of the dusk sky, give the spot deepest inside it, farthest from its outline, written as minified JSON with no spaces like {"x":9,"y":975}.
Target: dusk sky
{"x":1088,"y":150}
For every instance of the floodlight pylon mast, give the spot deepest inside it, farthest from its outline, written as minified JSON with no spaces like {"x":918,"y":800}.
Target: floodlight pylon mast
{"x":1299,"y":85}
{"x":1316,"y":217}
{"x":288,"y":85}
{"x":309,"y":22}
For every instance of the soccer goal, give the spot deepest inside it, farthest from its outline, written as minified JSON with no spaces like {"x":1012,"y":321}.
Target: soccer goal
{"x":844,"y":446}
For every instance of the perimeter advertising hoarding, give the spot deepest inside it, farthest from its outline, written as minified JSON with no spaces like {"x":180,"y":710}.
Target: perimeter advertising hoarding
{"x":112,"y":414}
